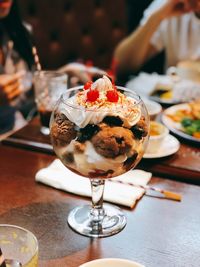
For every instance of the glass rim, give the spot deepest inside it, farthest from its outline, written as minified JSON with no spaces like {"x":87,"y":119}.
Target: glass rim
{"x":64,"y":101}
{"x":26,"y":231}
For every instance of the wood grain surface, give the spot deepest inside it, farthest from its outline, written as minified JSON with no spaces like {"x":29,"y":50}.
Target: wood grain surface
{"x":159,"y":232}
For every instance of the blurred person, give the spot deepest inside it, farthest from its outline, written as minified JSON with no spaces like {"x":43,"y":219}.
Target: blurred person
{"x":170,"y":25}
{"x":17,"y":63}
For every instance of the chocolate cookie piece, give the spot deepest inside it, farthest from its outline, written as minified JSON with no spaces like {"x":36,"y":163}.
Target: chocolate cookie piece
{"x":67,"y":158}
{"x":62,"y":130}
{"x":59,"y":118}
{"x":140,"y":129}
{"x":79,"y":147}
{"x":111,"y":142}
{"x":113,"y":120}
{"x":87,"y":132}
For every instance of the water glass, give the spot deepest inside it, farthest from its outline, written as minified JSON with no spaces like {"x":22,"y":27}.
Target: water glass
{"x":19,"y":246}
{"x":48,"y":86}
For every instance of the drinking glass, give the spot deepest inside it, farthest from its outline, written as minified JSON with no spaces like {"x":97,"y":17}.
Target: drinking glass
{"x":19,"y":246}
{"x":103,"y":149}
{"x":48,"y":87}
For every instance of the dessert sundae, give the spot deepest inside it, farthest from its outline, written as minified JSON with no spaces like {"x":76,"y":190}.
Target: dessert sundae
{"x":100,"y":130}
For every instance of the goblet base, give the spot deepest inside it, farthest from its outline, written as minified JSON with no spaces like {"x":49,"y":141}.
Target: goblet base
{"x":80,"y":220}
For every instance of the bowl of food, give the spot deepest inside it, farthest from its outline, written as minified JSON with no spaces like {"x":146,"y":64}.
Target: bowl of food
{"x":184,"y":120}
{"x":157,"y":135}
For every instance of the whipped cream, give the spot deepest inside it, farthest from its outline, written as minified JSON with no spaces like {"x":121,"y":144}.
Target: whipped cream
{"x":81,"y":112}
{"x":102,"y":84}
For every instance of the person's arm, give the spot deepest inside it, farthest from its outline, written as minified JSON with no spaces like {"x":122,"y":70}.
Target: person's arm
{"x":133,"y":51}
{"x":81,"y":73}
{"x":136,"y":49}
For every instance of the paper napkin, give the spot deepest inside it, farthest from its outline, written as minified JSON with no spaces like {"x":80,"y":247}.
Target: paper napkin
{"x":59,"y":177}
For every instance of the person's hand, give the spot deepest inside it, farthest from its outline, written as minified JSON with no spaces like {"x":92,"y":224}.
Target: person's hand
{"x":171,"y":8}
{"x":10,"y":87}
{"x":80,"y":73}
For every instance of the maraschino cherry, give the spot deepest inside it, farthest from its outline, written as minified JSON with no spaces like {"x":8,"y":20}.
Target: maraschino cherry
{"x":112,"y":95}
{"x":92,"y":95}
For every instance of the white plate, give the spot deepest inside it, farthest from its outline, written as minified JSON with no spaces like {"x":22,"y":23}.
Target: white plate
{"x":111,"y":262}
{"x":169,"y":146}
{"x":145,"y":83}
{"x":175,"y":127}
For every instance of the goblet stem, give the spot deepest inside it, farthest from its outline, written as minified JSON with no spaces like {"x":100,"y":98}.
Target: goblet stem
{"x":97,"y":212}
{"x":97,"y":221}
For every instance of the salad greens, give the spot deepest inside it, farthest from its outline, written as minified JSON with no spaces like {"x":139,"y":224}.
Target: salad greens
{"x":191,"y":126}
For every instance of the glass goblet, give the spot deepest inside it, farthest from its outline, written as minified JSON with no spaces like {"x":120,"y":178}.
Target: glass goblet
{"x":99,"y":143}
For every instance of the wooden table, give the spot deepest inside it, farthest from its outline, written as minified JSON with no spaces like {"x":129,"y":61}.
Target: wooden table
{"x":159,"y":232}
{"x":183,"y":166}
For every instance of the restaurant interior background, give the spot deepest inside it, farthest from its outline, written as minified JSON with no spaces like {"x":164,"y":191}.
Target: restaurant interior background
{"x":82,"y":30}
{"x":162,"y":203}
{"x":89,"y":30}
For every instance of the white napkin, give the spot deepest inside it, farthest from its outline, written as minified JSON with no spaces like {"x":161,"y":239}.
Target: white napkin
{"x":58,"y":176}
